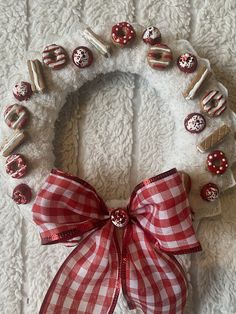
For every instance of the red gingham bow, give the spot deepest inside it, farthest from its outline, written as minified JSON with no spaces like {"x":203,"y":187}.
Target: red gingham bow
{"x":138,"y":261}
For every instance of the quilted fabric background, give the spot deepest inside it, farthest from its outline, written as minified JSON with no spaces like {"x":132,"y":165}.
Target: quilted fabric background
{"x":27,"y":268}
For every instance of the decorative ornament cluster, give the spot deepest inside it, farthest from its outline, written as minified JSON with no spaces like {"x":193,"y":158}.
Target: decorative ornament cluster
{"x":159,"y":57}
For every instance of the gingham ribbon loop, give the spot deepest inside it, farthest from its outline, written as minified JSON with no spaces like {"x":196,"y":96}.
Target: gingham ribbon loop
{"x":156,"y":223}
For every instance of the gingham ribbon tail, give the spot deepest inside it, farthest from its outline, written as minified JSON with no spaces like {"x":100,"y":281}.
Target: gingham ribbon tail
{"x":140,"y":264}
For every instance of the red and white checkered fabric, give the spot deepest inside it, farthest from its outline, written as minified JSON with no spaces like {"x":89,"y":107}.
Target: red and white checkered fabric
{"x":90,"y":279}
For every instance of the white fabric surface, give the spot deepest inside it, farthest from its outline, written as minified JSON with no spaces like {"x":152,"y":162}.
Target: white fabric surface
{"x":112,"y":162}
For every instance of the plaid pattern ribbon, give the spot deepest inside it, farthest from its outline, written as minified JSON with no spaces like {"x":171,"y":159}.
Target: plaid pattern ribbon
{"x":136,"y":259}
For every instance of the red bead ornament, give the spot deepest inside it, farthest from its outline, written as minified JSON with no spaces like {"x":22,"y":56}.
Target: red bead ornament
{"x":119,"y":217}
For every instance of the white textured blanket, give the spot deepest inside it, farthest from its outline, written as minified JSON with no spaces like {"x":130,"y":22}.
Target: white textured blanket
{"x":113,"y":165}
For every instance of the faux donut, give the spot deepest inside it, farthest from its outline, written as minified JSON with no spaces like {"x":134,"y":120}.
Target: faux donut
{"x":217,"y":162}
{"x":213,"y":103}
{"x":210,"y":192}
{"x":151,"y":35}
{"x":195,"y":123}
{"x":159,"y":56}
{"x":55,"y":57}
{"x":16,"y":166}
{"x":82,"y":57}
{"x":187,"y":63}
{"x":122,"y":34}
{"x":16,"y":116}
{"x":22,"y":91}
{"x":22,"y":194}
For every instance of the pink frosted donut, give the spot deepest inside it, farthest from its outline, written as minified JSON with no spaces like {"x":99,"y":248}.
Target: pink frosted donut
{"x":16,"y":116}
{"x":54,"y":56}
{"x":16,"y":166}
{"x":122,"y":34}
{"x":159,"y":56}
{"x":217,"y":162}
{"x":22,"y":91}
{"x":151,"y":35}
{"x":213,"y":103}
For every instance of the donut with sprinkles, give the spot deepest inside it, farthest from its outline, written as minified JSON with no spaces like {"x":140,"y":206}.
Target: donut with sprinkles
{"x":122,"y":34}
{"x":54,"y":57}
{"x":151,"y":35}
{"x":187,"y":63}
{"x":22,"y":194}
{"x":217,"y":162}
{"x":210,"y":192}
{"x":22,"y":91}
{"x":195,"y":123}
{"x":213,"y":103}
{"x":82,"y":57}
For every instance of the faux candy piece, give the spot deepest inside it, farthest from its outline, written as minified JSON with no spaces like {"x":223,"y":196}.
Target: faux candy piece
{"x":217,"y":162}
{"x":12,"y":143}
{"x":82,"y":57}
{"x":187,"y":63}
{"x":16,"y":166}
{"x":55,"y":57}
{"x":186,"y":180}
{"x":151,"y":35}
{"x":16,"y":116}
{"x":202,"y":74}
{"x":122,"y":34}
{"x":214,"y":138}
{"x":22,"y":91}
{"x":159,"y":56}
{"x":97,"y":42}
{"x":22,"y":194}
{"x":195,"y":123}
{"x":36,"y":75}
{"x":213,"y":103}
{"x":210,"y":192}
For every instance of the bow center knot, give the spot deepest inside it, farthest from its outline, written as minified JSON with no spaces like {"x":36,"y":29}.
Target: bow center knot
{"x":119,"y":217}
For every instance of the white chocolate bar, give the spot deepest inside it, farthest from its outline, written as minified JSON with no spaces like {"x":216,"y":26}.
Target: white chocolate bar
{"x":97,"y":42}
{"x":12,"y":142}
{"x":202,"y":74}
{"x":36,"y":75}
